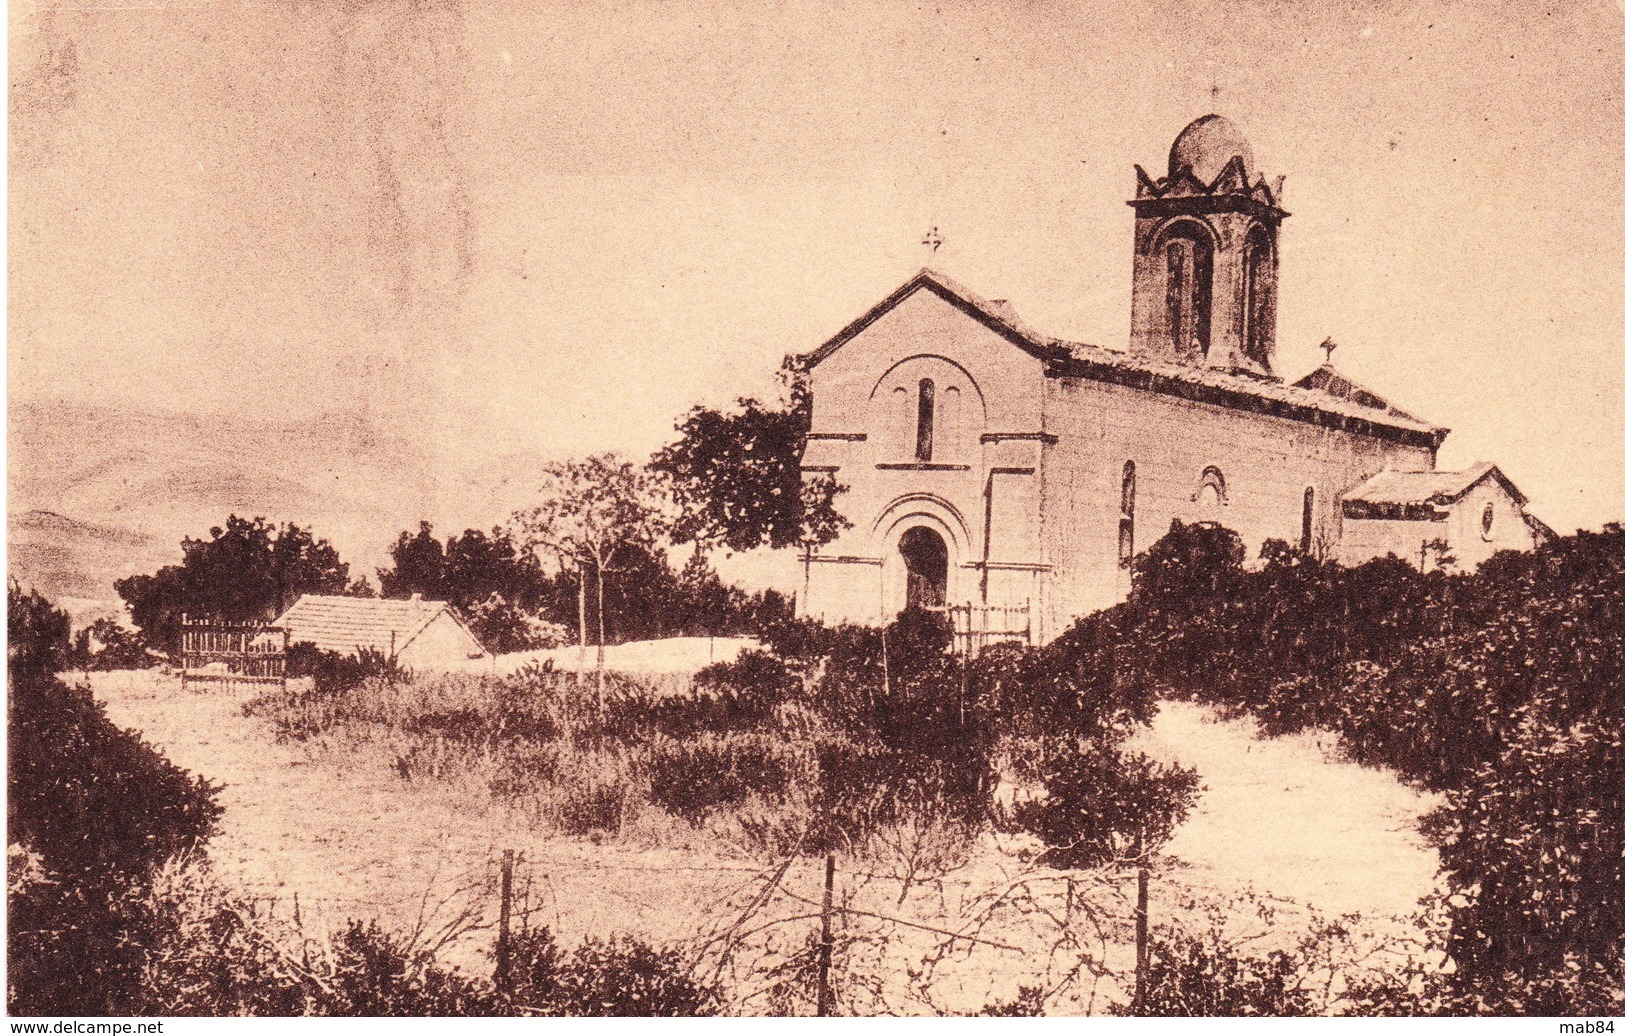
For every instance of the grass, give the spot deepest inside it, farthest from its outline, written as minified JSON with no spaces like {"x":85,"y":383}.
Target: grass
{"x":658,"y":754}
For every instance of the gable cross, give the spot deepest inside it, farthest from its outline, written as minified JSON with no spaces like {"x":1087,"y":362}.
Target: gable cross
{"x":1328,"y":345}
{"x":932,"y":240}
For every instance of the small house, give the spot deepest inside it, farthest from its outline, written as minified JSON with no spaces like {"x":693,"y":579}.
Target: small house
{"x":415,"y":633}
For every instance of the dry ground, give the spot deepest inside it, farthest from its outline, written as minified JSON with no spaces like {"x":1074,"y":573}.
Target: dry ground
{"x":351,"y":838}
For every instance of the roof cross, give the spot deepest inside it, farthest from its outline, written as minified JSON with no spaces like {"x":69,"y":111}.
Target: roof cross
{"x":1328,"y":345}
{"x":933,"y":240}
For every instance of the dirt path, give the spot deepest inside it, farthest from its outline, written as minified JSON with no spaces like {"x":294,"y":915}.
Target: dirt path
{"x":1286,"y":817}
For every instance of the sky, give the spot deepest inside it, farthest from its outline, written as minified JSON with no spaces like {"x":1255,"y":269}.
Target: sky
{"x":506,"y":228}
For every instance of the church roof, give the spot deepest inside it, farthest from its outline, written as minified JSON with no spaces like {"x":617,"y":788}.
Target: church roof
{"x":1402,"y":488}
{"x":1363,"y":412}
{"x":350,"y":624}
{"x":1206,"y":146}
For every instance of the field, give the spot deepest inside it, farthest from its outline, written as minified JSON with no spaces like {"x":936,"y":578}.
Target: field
{"x":336,"y":829}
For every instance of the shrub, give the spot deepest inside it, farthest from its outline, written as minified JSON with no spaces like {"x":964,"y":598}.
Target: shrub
{"x":93,"y":809}
{"x":620,"y":977}
{"x":332,"y":672}
{"x":1102,"y":805}
{"x":106,"y":645}
{"x":1192,"y":977}
{"x":692,"y":778}
{"x":375,"y":973}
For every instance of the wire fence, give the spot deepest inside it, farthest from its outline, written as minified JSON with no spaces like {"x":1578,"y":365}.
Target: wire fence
{"x":816,"y":934}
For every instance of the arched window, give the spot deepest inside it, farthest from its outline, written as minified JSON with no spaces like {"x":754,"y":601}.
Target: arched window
{"x":1211,"y":493}
{"x":1125,"y":521}
{"x":1254,"y":298}
{"x":1488,"y":521}
{"x":927,"y":419}
{"x":1188,"y":252}
{"x":1307,"y":537}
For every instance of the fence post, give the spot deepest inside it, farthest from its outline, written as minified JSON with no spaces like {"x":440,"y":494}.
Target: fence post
{"x":826,"y":944}
{"x":1142,"y":935}
{"x":504,"y":978}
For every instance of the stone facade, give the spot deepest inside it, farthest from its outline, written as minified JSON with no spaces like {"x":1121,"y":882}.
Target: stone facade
{"x":1007,"y":473}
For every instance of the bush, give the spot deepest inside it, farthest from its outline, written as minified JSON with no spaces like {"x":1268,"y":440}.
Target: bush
{"x":106,"y":645}
{"x":1500,"y":688}
{"x":92,"y":810}
{"x":620,"y":977}
{"x":692,"y":778}
{"x":1191,"y":977}
{"x":377,"y":974}
{"x":1102,"y":805}
{"x":332,"y":672}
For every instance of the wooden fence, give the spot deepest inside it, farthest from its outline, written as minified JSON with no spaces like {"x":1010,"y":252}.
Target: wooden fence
{"x":233,"y":653}
{"x":976,"y":626}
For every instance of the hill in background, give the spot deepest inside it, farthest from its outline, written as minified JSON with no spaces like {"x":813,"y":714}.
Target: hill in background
{"x":99,"y":493}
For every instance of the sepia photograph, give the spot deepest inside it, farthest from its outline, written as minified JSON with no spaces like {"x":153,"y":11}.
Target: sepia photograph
{"x":769,"y":508}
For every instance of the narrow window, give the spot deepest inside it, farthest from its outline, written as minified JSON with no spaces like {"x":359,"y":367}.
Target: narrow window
{"x":1254,"y":299}
{"x":1211,"y":492}
{"x":1189,"y":256}
{"x":1125,"y":521}
{"x":1488,"y":521}
{"x":1178,"y":267}
{"x":927,"y":419}
{"x":1306,"y":539}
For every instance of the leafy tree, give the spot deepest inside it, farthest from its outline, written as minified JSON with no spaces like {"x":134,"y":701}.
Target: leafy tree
{"x":36,"y":633}
{"x":737,"y":480}
{"x":105,"y":644}
{"x":592,"y":513}
{"x":499,"y":589}
{"x":419,"y":566}
{"x":248,"y":570}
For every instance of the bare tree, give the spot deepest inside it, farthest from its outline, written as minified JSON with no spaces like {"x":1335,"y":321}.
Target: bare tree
{"x":590,"y":512}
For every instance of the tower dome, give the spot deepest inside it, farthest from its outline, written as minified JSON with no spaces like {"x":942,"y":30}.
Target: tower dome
{"x":1206,"y":146}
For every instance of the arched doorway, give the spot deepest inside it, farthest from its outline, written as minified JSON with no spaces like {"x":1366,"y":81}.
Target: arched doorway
{"x":925,"y":556}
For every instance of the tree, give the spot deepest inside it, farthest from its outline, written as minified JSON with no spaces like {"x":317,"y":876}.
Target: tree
{"x":497,"y":587}
{"x":419,"y":566}
{"x":591,"y":513}
{"x":737,"y":479}
{"x":249,"y":570}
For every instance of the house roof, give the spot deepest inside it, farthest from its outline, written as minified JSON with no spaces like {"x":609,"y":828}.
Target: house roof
{"x":1400,"y":489}
{"x":346,"y":624}
{"x":1323,"y":400}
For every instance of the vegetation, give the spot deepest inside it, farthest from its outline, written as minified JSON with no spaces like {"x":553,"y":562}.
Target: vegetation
{"x":499,"y":589}
{"x":91,"y":810}
{"x":590,"y":514}
{"x":106,"y":645}
{"x":832,"y":738}
{"x":737,"y":480}
{"x":1502,"y":689}
{"x":110,"y":913}
{"x":247,"y":570}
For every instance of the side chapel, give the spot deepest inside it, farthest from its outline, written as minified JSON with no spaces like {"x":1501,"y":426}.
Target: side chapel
{"x":1012,"y":476}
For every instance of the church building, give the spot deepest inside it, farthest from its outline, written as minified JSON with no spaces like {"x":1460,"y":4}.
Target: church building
{"x":1010,"y":477}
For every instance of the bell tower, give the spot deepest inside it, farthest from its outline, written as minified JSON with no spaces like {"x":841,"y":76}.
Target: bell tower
{"x":1206,"y":255}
